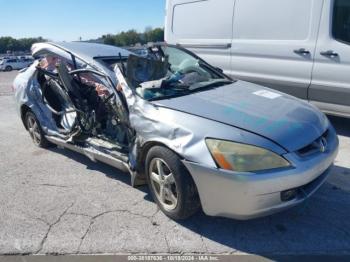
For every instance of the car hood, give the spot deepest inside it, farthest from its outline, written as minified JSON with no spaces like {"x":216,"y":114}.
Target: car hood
{"x":288,"y":121}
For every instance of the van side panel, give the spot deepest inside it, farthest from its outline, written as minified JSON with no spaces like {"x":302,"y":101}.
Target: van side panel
{"x":274,"y":43}
{"x":204,"y":27}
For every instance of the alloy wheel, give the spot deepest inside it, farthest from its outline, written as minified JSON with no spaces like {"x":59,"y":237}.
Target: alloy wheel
{"x":163,"y":184}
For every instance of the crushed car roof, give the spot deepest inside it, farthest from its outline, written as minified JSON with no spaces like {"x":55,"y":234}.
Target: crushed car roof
{"x":92,"y":49}
{"x":83,"y":50}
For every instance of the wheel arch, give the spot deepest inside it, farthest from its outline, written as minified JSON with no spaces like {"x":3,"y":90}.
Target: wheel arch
{"x":144,"y":149}
{"x":190,"y":182}
{"x":141,"y":158}
{"x":140,"y":178}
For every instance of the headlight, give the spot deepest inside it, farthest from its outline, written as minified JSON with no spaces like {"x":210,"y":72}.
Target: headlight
{"x":242,"y":157}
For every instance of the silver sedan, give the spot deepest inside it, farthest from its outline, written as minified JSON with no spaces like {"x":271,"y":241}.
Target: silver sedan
{"x":198,"y":138}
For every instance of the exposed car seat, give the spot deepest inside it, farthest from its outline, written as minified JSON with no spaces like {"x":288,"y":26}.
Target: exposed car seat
{"x":70,"y":84}
{"x":86,"y":116}
{"x":57,"y":101}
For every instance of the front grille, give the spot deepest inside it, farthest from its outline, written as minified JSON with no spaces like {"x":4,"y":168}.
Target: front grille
{"x":316,"y":146}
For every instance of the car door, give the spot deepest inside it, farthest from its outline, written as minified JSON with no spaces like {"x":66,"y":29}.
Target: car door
{"x":330,"y":87}
{"x":274,"y":43}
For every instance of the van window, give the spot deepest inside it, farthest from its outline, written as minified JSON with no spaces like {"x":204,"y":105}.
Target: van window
{"x":341,"y":20}
{"x":210,"y":19}
{"x":272,"y":19}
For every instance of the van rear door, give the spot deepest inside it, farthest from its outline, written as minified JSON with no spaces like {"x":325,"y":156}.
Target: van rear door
{"x":274,"y":43}
{"x":330,"y":88}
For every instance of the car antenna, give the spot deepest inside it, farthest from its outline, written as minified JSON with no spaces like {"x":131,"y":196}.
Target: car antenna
{"x":122,"y":63}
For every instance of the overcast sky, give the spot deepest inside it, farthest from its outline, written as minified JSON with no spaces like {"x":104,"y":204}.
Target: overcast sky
{"x":67,"y":20}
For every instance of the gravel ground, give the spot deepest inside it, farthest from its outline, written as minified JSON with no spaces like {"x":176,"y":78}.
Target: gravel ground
{"x":59,"y":202}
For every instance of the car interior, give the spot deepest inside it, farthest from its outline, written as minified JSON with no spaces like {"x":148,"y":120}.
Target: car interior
{"x":80,"y":112}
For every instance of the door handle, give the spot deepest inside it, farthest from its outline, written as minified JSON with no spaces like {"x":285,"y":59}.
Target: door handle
{"x":302,"y":51}
{"x":329,"y":53}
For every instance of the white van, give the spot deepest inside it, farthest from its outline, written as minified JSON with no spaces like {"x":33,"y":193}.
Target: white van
{"x":300,"y":47}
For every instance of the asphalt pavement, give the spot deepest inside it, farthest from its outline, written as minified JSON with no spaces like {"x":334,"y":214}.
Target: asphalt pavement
{"x":59,"y":202}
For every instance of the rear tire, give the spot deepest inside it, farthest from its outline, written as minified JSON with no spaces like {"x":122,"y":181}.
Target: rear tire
{"x":170,"y":183}
{"x":8,"y":68}
{"x":35,"y":131}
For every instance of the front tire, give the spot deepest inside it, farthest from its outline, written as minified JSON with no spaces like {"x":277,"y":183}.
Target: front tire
{"x":35,"y":131}
{"x":8,"y":68}
{"x":171,"y":185}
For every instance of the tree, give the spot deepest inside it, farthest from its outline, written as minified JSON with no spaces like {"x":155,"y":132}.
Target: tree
{"x":108,"y":39}
{"x":148,"y":28}
{"x":24,"y":44}
{"x":132,"y":37}
{"x":127,"y":38}
{"x":155,"y":35}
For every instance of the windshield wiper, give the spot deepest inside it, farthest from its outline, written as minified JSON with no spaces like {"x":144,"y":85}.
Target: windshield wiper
{"x":166,"y":97}
{"x":177,"y":93}
{"x":217,"y":83}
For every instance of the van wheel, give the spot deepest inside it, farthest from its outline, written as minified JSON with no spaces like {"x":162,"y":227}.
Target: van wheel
{"x":171,"y":185}
{"x":35,"y":131}
{"x":8,"y":68}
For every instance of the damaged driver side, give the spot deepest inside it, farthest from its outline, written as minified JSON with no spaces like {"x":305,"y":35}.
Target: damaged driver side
{"x":86,"y":108}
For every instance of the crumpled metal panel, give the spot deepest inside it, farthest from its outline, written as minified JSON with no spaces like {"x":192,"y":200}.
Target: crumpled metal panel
{"x":181,"y":132}
{"x":28,"y":92}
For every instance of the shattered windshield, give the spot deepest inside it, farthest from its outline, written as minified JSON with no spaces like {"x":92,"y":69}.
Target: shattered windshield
{"x":169,"y":72}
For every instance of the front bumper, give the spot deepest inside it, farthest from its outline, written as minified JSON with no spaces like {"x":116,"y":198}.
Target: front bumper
{"x":245,"y":196}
